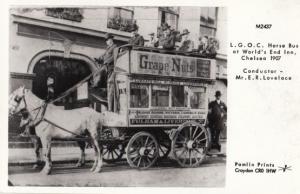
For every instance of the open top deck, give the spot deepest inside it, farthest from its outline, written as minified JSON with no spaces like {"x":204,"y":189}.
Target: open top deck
{"x":162,"y":90}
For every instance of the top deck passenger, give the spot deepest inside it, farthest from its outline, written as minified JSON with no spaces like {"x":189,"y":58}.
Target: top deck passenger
{"x":136,"y":39}
{"x":186,"y":45}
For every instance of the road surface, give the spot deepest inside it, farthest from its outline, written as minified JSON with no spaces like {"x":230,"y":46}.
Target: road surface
{"x":165,"y":174}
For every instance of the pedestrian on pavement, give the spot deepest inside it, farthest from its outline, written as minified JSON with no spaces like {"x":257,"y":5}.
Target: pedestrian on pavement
{"x":136,"y":39}
{"x":217,"y":111}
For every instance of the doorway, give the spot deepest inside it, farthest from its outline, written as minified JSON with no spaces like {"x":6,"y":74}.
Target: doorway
{"x":65,"y":72}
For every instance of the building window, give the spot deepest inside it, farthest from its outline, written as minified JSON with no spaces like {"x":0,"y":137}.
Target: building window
{"x":169,"y":15}
{"x":73,"y":14}
{"x":120,"y":19}
{"x":208,"y":21}
{"x":160,"y":96}
{"x":139,"y":95}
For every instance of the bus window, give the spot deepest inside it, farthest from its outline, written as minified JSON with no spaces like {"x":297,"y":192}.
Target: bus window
{"x":179,"y":96}
{"x":197,"y":97}
{"x":139,"y":95}
{"x":160,"y":96}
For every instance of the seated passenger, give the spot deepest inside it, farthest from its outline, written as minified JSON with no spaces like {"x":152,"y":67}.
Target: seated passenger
{"x":203,"y":44}
{"x":161,"y":34}
{"x":212,"y":47}
{"x":152,"y":40}
{"x":167,"y":41}
{"x":186,"y":45}
{"x":208,"y":46}
{"x":136,"y":39}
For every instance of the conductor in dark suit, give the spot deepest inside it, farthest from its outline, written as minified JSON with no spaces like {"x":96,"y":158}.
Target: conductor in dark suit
{"x":105,"y":61}
{"x":105,"y":75}
{"x":217,"y":111}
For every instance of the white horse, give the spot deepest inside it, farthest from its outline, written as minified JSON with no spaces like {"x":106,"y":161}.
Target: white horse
{"x":51,"y":122}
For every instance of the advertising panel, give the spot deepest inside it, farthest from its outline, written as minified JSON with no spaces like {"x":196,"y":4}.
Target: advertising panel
{"x":172,"y":65}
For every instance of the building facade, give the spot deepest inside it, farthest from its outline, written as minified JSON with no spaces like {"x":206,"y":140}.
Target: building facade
{"x":63,"y":42}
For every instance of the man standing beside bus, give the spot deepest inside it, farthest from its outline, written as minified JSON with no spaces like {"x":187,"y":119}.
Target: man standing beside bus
{"x":217,"y":111}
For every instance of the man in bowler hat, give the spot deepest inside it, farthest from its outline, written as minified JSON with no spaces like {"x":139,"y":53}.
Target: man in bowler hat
{"x":216,"y":119}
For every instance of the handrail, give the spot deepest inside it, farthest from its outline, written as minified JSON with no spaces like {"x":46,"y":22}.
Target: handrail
{"x":193,"y":53}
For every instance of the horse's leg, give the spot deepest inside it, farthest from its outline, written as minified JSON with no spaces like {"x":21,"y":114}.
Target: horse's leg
{"x":46,"y":142}
{"x":99,"y":155}
{"x":81,"y":160}
{"x":95,"y":157}
{"x":37,"y":145}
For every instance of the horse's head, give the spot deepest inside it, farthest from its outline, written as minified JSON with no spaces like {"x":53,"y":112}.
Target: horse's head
{"x":17,"y":101}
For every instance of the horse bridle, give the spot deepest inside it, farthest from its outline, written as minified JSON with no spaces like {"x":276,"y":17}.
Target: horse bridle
{"x":19,"y":99}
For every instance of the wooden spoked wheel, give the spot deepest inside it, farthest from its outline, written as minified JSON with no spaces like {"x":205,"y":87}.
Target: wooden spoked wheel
{"x":113,"y":152}
{"x":142,"y":150}
{"x":190,"y":144}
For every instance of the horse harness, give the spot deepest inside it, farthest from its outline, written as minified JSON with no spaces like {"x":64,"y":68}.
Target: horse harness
{"x":42,"y":118}
{"x":44,"y":106}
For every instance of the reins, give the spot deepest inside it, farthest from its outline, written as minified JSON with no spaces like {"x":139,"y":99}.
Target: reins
{"x":66,"y":130}
{"x":64,"y":94}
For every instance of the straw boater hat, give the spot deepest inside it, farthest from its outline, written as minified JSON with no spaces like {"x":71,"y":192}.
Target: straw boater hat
{"x":185,"y":31}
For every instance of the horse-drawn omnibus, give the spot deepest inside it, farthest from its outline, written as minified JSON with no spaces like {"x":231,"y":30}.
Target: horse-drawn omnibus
{"x":162,"y":107}
{"x":160,"y":100}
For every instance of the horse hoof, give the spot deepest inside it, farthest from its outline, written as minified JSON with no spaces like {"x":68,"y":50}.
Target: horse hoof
{"x":35,"y":167}
{"x":46,"y":171}
{"x":97,"y":171}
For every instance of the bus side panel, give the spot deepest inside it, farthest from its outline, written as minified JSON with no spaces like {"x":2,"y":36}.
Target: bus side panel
{"x":123,"y":95}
